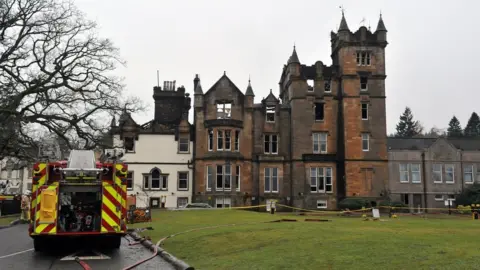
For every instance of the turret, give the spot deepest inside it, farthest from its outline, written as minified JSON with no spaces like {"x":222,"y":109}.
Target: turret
{"x":294,"y":63}
{"x":381,"y":31}
{"x":198,"y":92}
{"x":343,"y":30}
{"x":249,"y":95}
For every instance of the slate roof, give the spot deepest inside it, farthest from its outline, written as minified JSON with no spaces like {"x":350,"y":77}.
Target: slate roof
{"x":465,"y":144}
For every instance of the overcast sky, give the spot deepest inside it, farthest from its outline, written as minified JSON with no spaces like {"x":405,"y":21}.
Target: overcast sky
{"x":432,"y":61}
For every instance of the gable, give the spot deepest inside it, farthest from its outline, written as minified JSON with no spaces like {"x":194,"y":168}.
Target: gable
{"x":224,"y":90}
{"x":441,"y":149}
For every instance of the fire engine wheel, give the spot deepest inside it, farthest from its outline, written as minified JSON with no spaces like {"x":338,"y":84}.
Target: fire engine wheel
{"x":39,"y":244}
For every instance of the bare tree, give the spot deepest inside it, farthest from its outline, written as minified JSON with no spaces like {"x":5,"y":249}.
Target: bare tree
{"x":144,"y":195}
{"x":56,"y":76}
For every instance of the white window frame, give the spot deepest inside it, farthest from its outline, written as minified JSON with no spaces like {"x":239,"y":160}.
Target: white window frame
{"x":180,"y":143}
{"x":322,"y":204}
{"x":225,"y":175}
{"x":364,"y":58}
{"x":316,"y":173}
{"x":270,"y":143}
{"x":440,"y":172}
{"x":268,"y":177}
{"x":180,"y":179}
{"x":413,"y":169}
{"x":211,"y":174}
{"x":438,"y":199}
{"x":236,"y":143}
{"x":403,"y":169}
{"x":163,"y":182}
{"x":465,"y":173}
{"x":447,"y":166}
{"x":366,"y":137}
{"x":131,"y":178}
{"x":319,"y":139}
{"x":210,"y":139}
{"x":227,"y":134}
{"x":270,"y":111}
{"x":364,"y":109}
{"x":181,"y":198}
{"x":220,"y":140}
{"x":238,"y":174}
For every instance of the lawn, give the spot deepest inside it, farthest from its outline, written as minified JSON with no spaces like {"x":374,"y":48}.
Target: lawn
{"x":6,"y":220}
{"x":343,"y":243}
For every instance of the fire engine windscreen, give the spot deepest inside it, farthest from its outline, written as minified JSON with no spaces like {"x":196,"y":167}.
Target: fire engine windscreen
{"x":80,"y":208}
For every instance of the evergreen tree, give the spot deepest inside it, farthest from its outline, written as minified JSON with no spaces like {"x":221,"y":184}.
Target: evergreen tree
{"x":454,"y":128}
{"x":407,"y":127}
{"x":473,"y":126}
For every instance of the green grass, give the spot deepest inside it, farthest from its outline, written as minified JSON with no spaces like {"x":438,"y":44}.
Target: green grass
{"x":344,"y":243}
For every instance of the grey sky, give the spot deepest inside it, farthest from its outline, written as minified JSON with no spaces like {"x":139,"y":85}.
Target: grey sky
{"x":430,"y":59}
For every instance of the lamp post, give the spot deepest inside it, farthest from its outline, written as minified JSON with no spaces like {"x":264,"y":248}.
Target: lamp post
{"x":448,"y":202}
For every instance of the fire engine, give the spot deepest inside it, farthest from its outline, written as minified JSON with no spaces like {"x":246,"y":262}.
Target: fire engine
{"x":78,"y":198}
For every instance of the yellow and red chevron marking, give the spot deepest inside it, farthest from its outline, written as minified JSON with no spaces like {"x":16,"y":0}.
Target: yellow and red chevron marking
{"x":120,"y":180}
{"x":111,"y":208}
{"x":38,"y":181}
{"x":47,"y":228}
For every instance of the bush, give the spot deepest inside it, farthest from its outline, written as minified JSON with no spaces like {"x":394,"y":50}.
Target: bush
{"x":354,"y":203}
{"x":464,"y":209}
{"x":400,"y":207}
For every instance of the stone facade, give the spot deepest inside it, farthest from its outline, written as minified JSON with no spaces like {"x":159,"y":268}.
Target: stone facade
{"x":425,"y":172}
{"x":321,"y":140}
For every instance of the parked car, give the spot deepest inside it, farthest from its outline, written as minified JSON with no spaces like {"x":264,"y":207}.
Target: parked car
{"x":194,"y":206}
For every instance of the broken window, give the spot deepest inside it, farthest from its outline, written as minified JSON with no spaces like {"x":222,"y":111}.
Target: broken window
{"x":319,"y":112}
{"x":364,"y":111}
{"x":210,"y":140}
{"x":310,"y":86}
{"x":224,"y":110}
{"x":363,"y":59}
{"x":228,"y":140}
{"x":327,"y":85}
{"x":129,"y":143}
{"x":270,"y":113}
{"x":363,"y":83}
{"x":271,"y":144}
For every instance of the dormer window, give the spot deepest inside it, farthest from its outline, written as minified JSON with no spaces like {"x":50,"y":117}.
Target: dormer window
{"x":270,"y":114}
{"x":310,"y":86}
{"x":129,"y":143}
{"x":224,"y":110}
{"x":363,"y":58}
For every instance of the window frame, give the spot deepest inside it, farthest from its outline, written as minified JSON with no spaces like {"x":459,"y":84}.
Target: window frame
{"x":210,"y":139}
{"x":227,"y":138}
{"x":220,"y":140}
{"x":187,"y":180}
{"x":269,"y":177}
{"x":322,"y":105}
{"x":270,"y":143}
{"x":452,"y":166}
{"x":224,"y":176}
{"x":236,"y":142}
{"x":417,"y":165}
{"x":440,"y":199}
{"x":130,"y":179}
{"x":325,"y":206}
{"x":472,"y":174}
{"x":180,"y":145}
{"x":222,"y":109}
{"x":404,"y":171}
{"x":435,"y":172}
{"x":223,"y":199}
{"x":181,"y":198}
{"x":364,"y":83}
{"x":210,"y":184}
{"x":317,"y":139}
{"x":364,"y":109}
{"x":238,"y":175}
{"x":367,"y":136}
{"x":317,"y":173}
{"x":329,"y":83}
{"x":270,"y":111}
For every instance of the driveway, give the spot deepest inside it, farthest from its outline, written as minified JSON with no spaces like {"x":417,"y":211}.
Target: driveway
{"x":16,"y":252}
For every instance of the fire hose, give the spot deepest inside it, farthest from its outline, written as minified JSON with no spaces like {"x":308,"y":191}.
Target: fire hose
{"x":83,"y":264}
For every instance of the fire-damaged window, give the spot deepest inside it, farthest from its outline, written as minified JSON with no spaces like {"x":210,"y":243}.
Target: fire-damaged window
{"x":237,"y":140}
{"x":129,"y":143}
{"x":364,"y":111}
{"x":319,"y":112}
{"x":327,"y":85}
{"x":271,"y":144}
{"x":224,"y":110}
{"x":310,"y":85}
{"x":270,"y":113}
{"x":363,"y":58}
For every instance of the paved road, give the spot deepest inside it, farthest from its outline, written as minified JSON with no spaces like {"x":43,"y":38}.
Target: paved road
{"x":16,"y":240}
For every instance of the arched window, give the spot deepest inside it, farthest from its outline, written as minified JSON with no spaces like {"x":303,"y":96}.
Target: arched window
{"x":157,"y":180}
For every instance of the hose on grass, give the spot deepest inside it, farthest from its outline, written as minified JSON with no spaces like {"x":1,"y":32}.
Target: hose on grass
{"x":83,"y":264}
{"x":157,"y":246}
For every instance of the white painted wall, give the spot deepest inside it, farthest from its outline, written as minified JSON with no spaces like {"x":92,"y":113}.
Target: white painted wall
{"x":158,"y":151}
{"x":19,"y":180}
